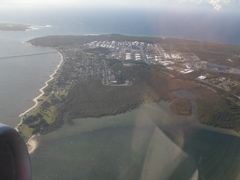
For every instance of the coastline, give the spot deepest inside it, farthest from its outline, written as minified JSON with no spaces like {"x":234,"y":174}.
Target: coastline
{"x":37,"y":103}
{"x":41,"y":89}
{"x":32,"y":143}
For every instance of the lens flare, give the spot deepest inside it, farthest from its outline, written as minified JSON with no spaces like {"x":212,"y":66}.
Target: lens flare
{"x":216,"y":4}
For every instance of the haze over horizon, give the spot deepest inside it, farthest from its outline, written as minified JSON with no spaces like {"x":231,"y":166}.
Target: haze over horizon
{"x":18,"y":4}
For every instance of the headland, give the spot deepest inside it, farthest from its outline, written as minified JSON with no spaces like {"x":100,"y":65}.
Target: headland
{"x":110,"y":74}
{"x":20,"y":27}
{"x":14,"y":27}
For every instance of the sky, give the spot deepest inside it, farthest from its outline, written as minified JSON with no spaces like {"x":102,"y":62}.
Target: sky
{"x":79,"y":3}
{"x":85,"y":2}
{"x":113,"y":3}
{"x":32,"y":3}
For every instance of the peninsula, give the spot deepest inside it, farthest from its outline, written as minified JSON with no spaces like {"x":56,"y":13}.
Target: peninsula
{"x":14,"y":27}
{"x":20,"y":27}
{"x":110,"y":74}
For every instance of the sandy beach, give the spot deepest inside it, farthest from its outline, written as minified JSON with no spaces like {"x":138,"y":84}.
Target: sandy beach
{"x":41,"y":90}
{"x":32,"y":143}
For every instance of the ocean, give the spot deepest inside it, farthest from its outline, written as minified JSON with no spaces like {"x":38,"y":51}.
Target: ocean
{"x":116,"y":146}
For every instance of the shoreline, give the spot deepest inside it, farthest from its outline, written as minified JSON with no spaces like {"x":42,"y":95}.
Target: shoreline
{"x":37,"y":103}
{"x":41,"y":89}
{"x":32,"y":143}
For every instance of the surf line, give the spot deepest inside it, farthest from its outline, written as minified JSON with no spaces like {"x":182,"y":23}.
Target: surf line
{"x":41,"y":90}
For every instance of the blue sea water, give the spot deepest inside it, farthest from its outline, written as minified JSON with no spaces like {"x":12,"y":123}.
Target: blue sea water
{"x":197,"y":23}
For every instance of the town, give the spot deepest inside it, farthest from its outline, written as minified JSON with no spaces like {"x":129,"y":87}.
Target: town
{"x":90,"y":62}
{"x":180,"y":60}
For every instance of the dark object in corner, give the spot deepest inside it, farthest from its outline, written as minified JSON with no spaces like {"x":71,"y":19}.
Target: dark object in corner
{"x":14,"y":157}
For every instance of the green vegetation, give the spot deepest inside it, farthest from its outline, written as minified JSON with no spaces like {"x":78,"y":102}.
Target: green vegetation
{"x":181,"y":106}
{"x":48,"y":89}
{"x":90,"y":97}
{"x":41,"y":119}
{"x":224,"y":54}
{"x":219,"y":111}
{"x":93,"y":99}
{"x":70,"y":40}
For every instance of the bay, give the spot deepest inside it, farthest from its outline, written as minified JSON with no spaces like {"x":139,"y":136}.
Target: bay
{"x":21,"y":77}
{"x":149,"y":142}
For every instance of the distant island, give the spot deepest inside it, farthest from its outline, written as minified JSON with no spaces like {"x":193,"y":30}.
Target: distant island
{"x":19,"y":27}
{"x":111,"y":74}
{"x":14,"y":27}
